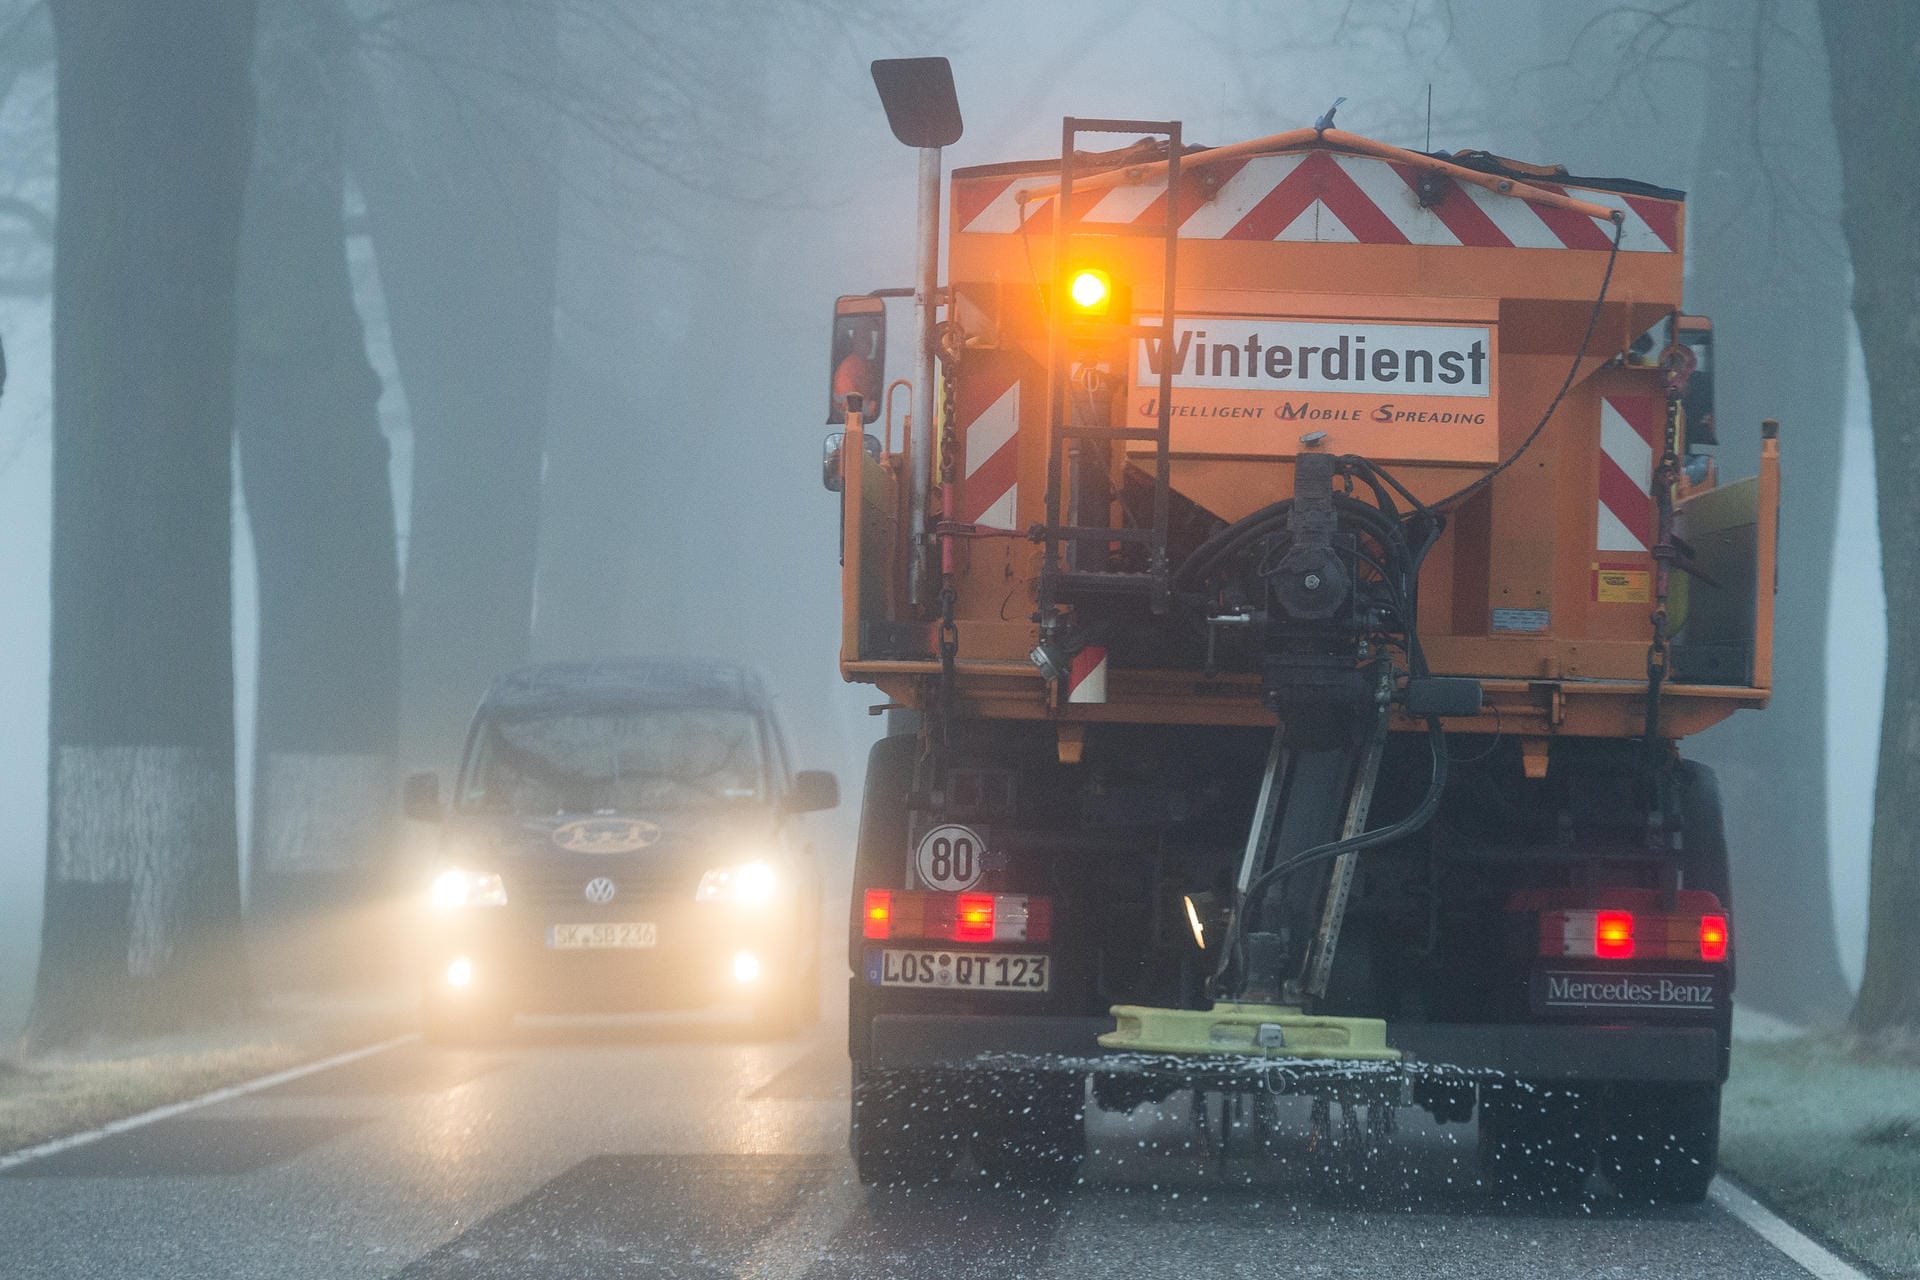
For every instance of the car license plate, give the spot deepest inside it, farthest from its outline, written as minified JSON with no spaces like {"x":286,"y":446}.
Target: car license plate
{"x":957,"y":970}
{"x":575,"y":937}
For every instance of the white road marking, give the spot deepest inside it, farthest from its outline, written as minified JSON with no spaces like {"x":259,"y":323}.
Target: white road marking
{"x":1783,"y":1235}
{"x":55,"y":1146}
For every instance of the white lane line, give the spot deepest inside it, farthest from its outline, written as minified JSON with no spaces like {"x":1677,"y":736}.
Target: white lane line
{"x":55,"y":1146}
{"x":1783,"y":1235}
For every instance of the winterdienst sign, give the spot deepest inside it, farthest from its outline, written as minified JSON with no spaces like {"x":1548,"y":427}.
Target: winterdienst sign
{"x":1251,"y":385}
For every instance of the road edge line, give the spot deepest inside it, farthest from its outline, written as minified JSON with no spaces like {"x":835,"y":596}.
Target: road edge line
{"x":1816,"y":1258}
{"x":54,"y":1146}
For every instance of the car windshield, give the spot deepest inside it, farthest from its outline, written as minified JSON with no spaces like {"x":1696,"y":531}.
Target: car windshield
{"x":616,"y":760}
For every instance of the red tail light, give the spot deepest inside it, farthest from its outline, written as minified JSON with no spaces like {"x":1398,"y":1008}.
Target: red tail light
{"x":1628,"y":924}
{"x":956,"y":917}
{"x":1713,"y":937}
{"x":973,"y":918}
{"x":1613,"y":935}
{"x":876,"y":919}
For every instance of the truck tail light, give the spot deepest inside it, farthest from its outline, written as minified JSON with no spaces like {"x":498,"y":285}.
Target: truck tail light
{"x":876,"y":917}
{"x":1713,"y":937}
{"x":1613,"y":935}
{"x":973,"y":918}
{"x":1634,"y":935}
{"x":956,"y":917}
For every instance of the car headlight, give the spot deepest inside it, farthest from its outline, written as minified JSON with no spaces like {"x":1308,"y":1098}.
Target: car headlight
{"x":745,"y":884}
{"x":455,"y":888}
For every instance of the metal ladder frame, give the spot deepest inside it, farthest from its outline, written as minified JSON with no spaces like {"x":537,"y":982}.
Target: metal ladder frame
{"x":1057,"y":580}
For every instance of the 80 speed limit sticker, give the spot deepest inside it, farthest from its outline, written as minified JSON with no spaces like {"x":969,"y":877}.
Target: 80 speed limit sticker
{"x":950,"y":857}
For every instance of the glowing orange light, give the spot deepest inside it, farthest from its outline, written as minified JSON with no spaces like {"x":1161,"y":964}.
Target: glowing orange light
{"x":1090,"y":290}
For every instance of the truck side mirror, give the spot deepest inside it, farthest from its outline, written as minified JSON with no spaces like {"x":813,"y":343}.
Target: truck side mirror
{"x":812,"y":791}
{"x":1696,"y":335}
{"x":421,"y":797}
{"x":830,"y":477}
{"x":858,"y":364}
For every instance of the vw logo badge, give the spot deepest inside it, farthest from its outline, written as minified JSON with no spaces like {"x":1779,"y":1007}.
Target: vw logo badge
{"x":600,"y":891}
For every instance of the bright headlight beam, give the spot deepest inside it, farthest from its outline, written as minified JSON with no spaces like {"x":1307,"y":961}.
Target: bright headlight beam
{"x":450,"y":889}
{"x":754,"y":883}
{"x":745,"y":884}
{"x":456,"y":887}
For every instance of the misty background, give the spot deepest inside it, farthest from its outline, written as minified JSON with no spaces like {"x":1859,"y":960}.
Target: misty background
{"x":700,"y":245}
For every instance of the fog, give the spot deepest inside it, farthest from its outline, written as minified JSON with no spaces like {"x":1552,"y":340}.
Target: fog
{"x":680,"y":508}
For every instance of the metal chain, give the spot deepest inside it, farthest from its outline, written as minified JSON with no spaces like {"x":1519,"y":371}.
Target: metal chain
{"x":1665,"y":476}
{"x":949,"y":640}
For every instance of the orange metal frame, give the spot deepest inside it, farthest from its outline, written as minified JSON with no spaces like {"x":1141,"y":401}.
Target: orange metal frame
{"x":1525,"y":544}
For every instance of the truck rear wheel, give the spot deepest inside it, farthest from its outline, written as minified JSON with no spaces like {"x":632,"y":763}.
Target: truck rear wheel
{"x":1535,"y":1141}
{"x":906,"y":1127}
{"x":1030,"y":1130}
{"x":1662,"y":1141}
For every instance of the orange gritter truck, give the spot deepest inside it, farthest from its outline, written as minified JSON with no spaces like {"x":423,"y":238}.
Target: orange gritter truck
{"x":1290,"y":579}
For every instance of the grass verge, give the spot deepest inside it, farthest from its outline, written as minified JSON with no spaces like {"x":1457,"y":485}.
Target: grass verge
{"x":1826,"y":1131}
{"x":50,"y":1095}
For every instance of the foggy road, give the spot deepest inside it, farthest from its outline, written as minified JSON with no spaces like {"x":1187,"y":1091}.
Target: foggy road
{"x":684,"y":1147}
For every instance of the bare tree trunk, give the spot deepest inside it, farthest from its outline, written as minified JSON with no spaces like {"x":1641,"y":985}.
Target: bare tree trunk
{"x":1768,"y":263}
{"x":142,"y":899}
{"x":1876,"y":103}
{"x":315,"y":471}
{"x":454,"y":152}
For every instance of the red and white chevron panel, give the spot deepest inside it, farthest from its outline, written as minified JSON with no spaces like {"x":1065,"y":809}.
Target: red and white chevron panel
{"x":987,"y":416}
{"x":1629,"y":426}
{"x":1326,"y":197}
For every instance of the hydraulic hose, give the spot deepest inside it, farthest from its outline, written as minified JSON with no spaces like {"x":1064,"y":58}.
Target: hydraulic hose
{"x":1407,"y":826}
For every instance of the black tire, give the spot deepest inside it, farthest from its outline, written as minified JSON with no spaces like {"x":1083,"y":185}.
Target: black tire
{"x":463,"y":1024}
{"x":879,"y":861}
{"x":1030,"y":1130}
{"x":1662,"y":1141}
{"x":1536,"y":1142}
{"x":1703,"y":832}
{"x":906,"y":1127}
{"x":881,"y":851}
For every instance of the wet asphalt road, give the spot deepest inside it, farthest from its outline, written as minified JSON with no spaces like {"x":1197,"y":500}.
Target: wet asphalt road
{"x":686,"y":1147}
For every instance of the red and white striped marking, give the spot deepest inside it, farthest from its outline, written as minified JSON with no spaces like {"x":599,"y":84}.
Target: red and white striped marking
{"x":987,"y":412}
{"x":1328,"y":197}
{"x":1087,"y":675}
{"x":1628,"y":427}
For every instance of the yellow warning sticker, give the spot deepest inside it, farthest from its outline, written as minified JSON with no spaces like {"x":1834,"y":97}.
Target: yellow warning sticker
{"x":1613,"y":585}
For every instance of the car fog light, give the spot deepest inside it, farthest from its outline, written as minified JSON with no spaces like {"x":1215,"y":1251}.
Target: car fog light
{"x":746,"y":966}
{"x":460,"y":972}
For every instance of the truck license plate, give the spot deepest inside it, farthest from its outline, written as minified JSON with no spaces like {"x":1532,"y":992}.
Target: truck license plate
{"x":957,"y":970}
{"x":575,"y":937}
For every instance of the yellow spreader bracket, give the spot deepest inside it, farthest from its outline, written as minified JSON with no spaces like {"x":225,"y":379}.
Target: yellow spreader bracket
{"x":1253,"y":1030}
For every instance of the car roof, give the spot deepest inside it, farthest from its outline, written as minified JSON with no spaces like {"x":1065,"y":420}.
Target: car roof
{"x":550,"y":686}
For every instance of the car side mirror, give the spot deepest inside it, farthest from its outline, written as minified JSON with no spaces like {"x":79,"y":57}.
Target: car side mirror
{"x":1696,"y":335}
{"x":421,"y":797}
{"x":812,"y":791}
